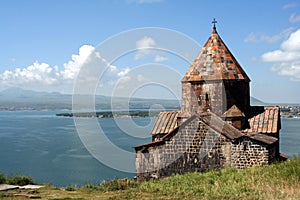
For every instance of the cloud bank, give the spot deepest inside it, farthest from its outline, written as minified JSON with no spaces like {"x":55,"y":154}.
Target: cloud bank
{"x":286,"y":59}
{"x":258,"y":37}
{"x":43,"y":77}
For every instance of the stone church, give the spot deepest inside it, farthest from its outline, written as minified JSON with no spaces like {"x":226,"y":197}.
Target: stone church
{"x":216,"y":126}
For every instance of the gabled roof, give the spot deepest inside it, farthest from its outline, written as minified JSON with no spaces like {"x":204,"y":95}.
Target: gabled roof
{"x":216,"y":123}
{"x":215,"y":62}
{"x":210,"y":119}
{"x":165,"y":122}
{"x":234,"y":111}
{"x":267,"y":121}
{"x":263,"y":138}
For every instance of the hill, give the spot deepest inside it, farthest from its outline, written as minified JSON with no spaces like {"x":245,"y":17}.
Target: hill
{"x":256,"y":102}
{"x":20,"y":99}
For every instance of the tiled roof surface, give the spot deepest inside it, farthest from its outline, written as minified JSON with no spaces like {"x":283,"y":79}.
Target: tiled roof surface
{"x":165,"y":122}
{"x":265,"y":122}
{"x":234,"y":111}
{"x":215,"y":62}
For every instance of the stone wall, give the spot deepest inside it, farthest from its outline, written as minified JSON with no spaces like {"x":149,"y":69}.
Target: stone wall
{"x":186,"y":99}
{"x":197,"y":97}
{"x":194,"y":147}
{"x":218,"y":96}
{"x":246,"y":152}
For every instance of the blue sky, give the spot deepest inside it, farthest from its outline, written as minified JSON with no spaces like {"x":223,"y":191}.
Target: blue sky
{"x":44,"y":42}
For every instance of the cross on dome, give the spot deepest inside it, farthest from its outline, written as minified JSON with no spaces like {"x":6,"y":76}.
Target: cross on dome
{"x":214,"y":22}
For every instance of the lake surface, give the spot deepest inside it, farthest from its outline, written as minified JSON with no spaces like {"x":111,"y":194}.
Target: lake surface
{"x":48,"y":148}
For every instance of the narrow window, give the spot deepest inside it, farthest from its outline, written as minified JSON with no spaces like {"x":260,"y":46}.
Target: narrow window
{"x":245,"y":146}
{"x":206,"y":97}
{"x":199,"y":100}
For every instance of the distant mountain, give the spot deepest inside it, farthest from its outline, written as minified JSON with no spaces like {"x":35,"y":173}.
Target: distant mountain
{"x":20,"y":99}
{"x":256,"y":102}
{"x":22,"y":93}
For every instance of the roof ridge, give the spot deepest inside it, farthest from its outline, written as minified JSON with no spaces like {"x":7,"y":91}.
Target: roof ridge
{"x":234,"y":133}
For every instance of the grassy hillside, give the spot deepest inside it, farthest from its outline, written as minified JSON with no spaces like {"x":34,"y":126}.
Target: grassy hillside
{"x":277,"y":181}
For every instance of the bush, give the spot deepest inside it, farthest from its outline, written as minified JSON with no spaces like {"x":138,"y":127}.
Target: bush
{"x":121,"y":184}
{"x":91,"y":186}
{"x":19,"y":180}
{"x":70,"y":188}
{"x":2,"y":179}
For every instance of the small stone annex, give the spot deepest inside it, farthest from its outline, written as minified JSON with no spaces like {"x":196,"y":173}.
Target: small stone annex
{"x":216,"y":126}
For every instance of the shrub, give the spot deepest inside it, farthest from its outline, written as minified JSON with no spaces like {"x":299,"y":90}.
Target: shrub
{"x":2,"y":178}
{"x":70,"y":188}
{"x":121,"y":184}
{"x":91,"y":186}
{"x":19,"y":180}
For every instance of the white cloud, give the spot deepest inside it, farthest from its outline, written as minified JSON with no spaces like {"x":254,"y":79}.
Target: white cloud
{"x":290,"y":5}
{"x":143,"y":45}
{"x":43,"y":77}
{"x":294,"y":18}
{"x":124,"y":80}
{"x":262,"y":37}
{"x":38,"y":73}
{"x":73,"y":66}
{"x":280,"y":56}
{"x":288,"y":69}
{"x":286,"y":59}
{"x":293,"y":43}
{"x":123,"y":73}
{"x":159,"y":58}
{"x":141,"y":78}
{"x":112,"y":68}
{"x":129,"y":80}
{"x":145,"y":42}
{"x":139,"y":55}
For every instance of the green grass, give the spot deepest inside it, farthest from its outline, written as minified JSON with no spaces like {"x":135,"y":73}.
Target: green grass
{"x":277,"y":181}
{"x":274,"y":181}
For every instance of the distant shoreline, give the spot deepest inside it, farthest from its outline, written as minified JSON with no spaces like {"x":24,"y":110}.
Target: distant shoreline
{"x":112,"y":114}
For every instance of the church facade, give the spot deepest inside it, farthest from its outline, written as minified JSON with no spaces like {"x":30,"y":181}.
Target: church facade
{"x":216,"y":126}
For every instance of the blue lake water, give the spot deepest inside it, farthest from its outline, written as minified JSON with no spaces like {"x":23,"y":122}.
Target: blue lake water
{"x":48,"y":148}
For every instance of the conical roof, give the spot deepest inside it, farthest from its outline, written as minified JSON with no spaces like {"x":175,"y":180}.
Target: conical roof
{"x":215,"y":62}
